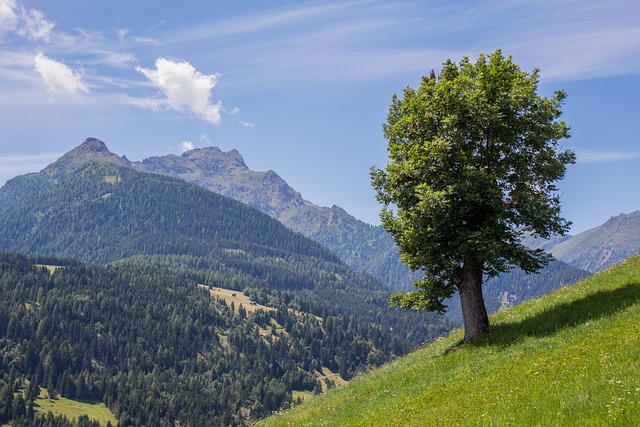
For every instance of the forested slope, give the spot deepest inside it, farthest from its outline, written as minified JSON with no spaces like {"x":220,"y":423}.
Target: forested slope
{"x":151,"y":345}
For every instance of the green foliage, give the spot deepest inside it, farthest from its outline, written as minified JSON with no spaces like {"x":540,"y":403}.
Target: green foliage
{"x":215,"y":240}
{"x":570,"y":358}
{"x":153,"y":347}
{"x":473,"y":160}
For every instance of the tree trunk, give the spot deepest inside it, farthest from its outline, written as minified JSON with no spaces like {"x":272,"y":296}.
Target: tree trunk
{"x":474,"y":312}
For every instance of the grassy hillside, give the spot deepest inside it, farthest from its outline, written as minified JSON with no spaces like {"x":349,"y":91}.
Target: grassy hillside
{"x":571,"y":358}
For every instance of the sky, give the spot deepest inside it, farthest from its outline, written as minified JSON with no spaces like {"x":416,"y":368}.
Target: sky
{"x":303,"y":88}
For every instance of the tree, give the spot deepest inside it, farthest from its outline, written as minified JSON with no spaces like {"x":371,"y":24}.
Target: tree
{"x":473,"y":157}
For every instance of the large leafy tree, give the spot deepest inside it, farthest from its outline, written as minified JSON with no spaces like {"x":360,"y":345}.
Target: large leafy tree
{"x":474,"y":155}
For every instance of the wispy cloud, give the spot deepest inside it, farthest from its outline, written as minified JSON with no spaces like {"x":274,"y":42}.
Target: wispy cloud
{"x":8,"y":17}
{"x":363,"y":40}
{"x":263,"y":21}
{"x":28,"y":23}
{"x":34,"y":25}
{"x":23,"y":163}
{"x":596,"y":156}
{"x":335,"y":42}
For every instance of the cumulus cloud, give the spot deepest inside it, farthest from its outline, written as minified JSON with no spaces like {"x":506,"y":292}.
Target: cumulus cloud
{"x":58,"y":77}
{"x":185,"y":88}
{"x":186,"y":146}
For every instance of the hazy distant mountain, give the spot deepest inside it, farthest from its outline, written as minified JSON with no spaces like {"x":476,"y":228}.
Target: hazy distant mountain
{"x":600,"y":247}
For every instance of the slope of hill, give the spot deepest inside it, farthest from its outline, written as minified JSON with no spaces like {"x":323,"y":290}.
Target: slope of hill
{"x":571,"y":358}
{"x":366,"y":248}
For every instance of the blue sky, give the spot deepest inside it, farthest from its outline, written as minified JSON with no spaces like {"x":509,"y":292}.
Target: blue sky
{"x":302,"y":88}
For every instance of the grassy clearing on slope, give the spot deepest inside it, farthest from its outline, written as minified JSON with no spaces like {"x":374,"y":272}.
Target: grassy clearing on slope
{"x":571,"y":358}
{"x":52,"y":268}
{"x":235,"y":297}
{"x":73,"y":409}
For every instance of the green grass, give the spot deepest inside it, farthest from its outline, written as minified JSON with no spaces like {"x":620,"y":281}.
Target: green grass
{"x":112,"y":179}
{"x":72,"y":409}
{"x":568,"y":359}
{"x":52,"y":268}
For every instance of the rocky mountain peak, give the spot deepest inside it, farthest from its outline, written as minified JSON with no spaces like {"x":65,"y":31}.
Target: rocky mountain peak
{"x":213,"y":158}
{"x":92,"y":149}
{"x":623,"y":219}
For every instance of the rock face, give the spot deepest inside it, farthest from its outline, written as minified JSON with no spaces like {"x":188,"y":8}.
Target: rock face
{"x":226,"y":173}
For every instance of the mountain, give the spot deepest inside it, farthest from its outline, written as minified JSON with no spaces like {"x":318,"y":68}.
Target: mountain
{"x":566,"y":359}
{"x":24,"y":187}
{"x":227,"y":174}
{"x":108,"y":212}
{"x":369,"y":249}
{"x":331,"y":321}
{"x":600,"y":247}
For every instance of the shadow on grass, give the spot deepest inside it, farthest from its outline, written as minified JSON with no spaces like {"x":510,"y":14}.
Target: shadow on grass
{"x":567,"y":315}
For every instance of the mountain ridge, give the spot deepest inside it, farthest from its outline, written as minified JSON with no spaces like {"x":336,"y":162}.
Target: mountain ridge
{"x":600,"y":247}
{"x":226,"y":173}
{"x":365,"y":247}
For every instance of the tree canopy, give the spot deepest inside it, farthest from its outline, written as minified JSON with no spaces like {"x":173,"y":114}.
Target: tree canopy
{"x":474,"y":156}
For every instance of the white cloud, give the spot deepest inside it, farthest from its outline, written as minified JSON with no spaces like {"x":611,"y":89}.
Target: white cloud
{"x":249,"y":125}
{"x":35,"y":25}
{"x":185,"y":88}
{"x":186,"y":146}
{"x":58,"y":77}
{"x":205,"y":138}
{"x":26,"y":23}
{"x":596,"y":156}
{"x":8,"y":18}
